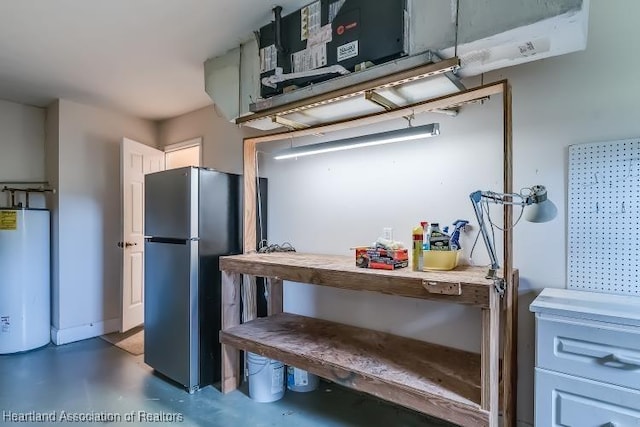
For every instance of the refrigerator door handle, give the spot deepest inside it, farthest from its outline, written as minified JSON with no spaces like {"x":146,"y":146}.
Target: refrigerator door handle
{"x":152,"y":238}
{"x":170,"y":240}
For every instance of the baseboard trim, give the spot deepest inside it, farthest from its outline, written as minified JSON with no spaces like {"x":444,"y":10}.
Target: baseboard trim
{"x":83,"y":332}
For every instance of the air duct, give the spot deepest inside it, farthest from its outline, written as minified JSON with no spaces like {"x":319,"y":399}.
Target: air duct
{"x":493,"y":34}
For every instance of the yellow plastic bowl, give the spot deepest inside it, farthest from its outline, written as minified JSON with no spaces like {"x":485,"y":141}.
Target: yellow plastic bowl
{"x":441,"y":260}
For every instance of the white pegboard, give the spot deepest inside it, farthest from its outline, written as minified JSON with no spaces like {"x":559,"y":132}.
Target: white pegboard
{"x":604,"y":217}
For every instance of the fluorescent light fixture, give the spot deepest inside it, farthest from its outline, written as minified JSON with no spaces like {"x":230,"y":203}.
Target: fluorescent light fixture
{"x":406,"y":134}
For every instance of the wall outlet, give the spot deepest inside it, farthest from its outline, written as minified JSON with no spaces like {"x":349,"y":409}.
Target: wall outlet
{"x":387,"y":233}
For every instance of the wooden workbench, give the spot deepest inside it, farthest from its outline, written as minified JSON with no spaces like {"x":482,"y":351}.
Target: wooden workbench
{"x":451,"y":384}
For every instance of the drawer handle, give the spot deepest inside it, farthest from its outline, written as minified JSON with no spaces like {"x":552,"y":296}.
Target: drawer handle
{"x":597,"y":352}
{"x":626,"y":360}
{"x":583,"y":349}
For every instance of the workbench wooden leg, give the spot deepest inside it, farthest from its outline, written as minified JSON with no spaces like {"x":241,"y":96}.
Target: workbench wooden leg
{"x":249,"y":294}
{"x":230,"y":317}
{"x":510,"y":356}
{"x":275,"y":303}
{"x":491,"y":358}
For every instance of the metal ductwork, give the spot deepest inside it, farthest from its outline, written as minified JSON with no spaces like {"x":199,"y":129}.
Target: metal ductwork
{"x":492,"y":34}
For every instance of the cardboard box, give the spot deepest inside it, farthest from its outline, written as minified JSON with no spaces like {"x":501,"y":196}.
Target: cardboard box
{"x":379,"y":258}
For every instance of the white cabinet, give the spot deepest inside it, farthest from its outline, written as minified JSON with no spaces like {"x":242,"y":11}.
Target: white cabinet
{"x":566,"y":400}
{"x":587,"y":359}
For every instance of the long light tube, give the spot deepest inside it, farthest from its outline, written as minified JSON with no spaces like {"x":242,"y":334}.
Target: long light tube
{"x":406,"y":134}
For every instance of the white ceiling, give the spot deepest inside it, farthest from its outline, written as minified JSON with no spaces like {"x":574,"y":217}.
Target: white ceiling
{"x":142,"y":57}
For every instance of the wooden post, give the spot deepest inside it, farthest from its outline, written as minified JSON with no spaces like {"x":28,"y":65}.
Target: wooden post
{"x":230,"y":317}
{"x":250,"y":196}
{"x":510,"y":357}
{"x":490,"y":356}
{"x":510,"y":361}
{"x":250,"y":309}
{"x":248,"y":296}
{"x":275,"y":301}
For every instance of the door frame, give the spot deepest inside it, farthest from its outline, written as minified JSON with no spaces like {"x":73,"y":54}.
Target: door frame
{"x":189,"y":143}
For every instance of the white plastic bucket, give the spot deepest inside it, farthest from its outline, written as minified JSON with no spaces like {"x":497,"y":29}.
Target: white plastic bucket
{"x":266,"y":378}
{"x":300,"y":380}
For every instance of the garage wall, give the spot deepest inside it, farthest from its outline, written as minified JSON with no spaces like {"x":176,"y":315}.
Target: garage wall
{"x":21,"y":145}
{"x":86,"y":285}
{"x":221,"y":140}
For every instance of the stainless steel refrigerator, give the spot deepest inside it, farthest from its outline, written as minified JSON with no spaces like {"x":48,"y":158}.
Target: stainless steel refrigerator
{"x":192,"y":217}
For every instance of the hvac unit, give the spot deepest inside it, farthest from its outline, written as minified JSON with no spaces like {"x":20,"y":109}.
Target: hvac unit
{"x":328,"y":38}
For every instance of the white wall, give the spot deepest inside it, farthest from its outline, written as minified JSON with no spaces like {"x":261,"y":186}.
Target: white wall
{"x":329,"y":203}
{"x":21,"y":145}
{"x":87,"y":218}
{"x":221,"y":140}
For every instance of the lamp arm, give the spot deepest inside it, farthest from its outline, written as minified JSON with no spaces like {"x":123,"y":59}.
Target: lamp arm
{"x":515,"y":199}
{"x":476,"y":198}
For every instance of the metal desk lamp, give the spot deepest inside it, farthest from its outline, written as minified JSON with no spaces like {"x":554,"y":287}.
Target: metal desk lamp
{"x":539,"y":209}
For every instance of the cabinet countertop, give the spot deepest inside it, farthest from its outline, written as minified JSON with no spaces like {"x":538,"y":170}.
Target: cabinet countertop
{"x":597,"y":306}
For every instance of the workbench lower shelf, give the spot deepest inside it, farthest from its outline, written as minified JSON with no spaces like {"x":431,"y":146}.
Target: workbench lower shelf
{"x":428,"y":378}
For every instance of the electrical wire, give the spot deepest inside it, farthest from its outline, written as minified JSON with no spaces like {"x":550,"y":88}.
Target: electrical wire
{"x":266,"y":248}
{"x":484,"y":207}
{"x":249,"y":284}
{"x":455,"y":50}
{"x":522,"y":206}
{"x":259,"y":192}
{"x":473,"y":247}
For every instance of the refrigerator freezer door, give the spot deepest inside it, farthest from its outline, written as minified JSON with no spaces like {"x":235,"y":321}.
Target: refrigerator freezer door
{"x":171,"y":343}
{"x":171,"y":201}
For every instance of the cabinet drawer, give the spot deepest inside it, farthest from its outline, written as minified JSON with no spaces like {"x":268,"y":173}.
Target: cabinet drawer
{"x":567,"y":401}
{"x":595,"y":350}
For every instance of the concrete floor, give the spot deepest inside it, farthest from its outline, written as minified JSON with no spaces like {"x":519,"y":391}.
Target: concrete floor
{"x":92,"y":376}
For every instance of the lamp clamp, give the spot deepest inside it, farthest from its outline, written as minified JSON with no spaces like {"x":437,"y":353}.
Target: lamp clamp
{"x":500,"y":286}
{"x":498,"y":282}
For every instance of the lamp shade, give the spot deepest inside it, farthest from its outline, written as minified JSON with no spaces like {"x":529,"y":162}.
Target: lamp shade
{"x":538,"y":207}
{"x":543,"y":211}
{"x":406,"y":134}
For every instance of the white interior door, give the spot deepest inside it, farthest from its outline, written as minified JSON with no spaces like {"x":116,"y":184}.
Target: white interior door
{"x":136,"y":160}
